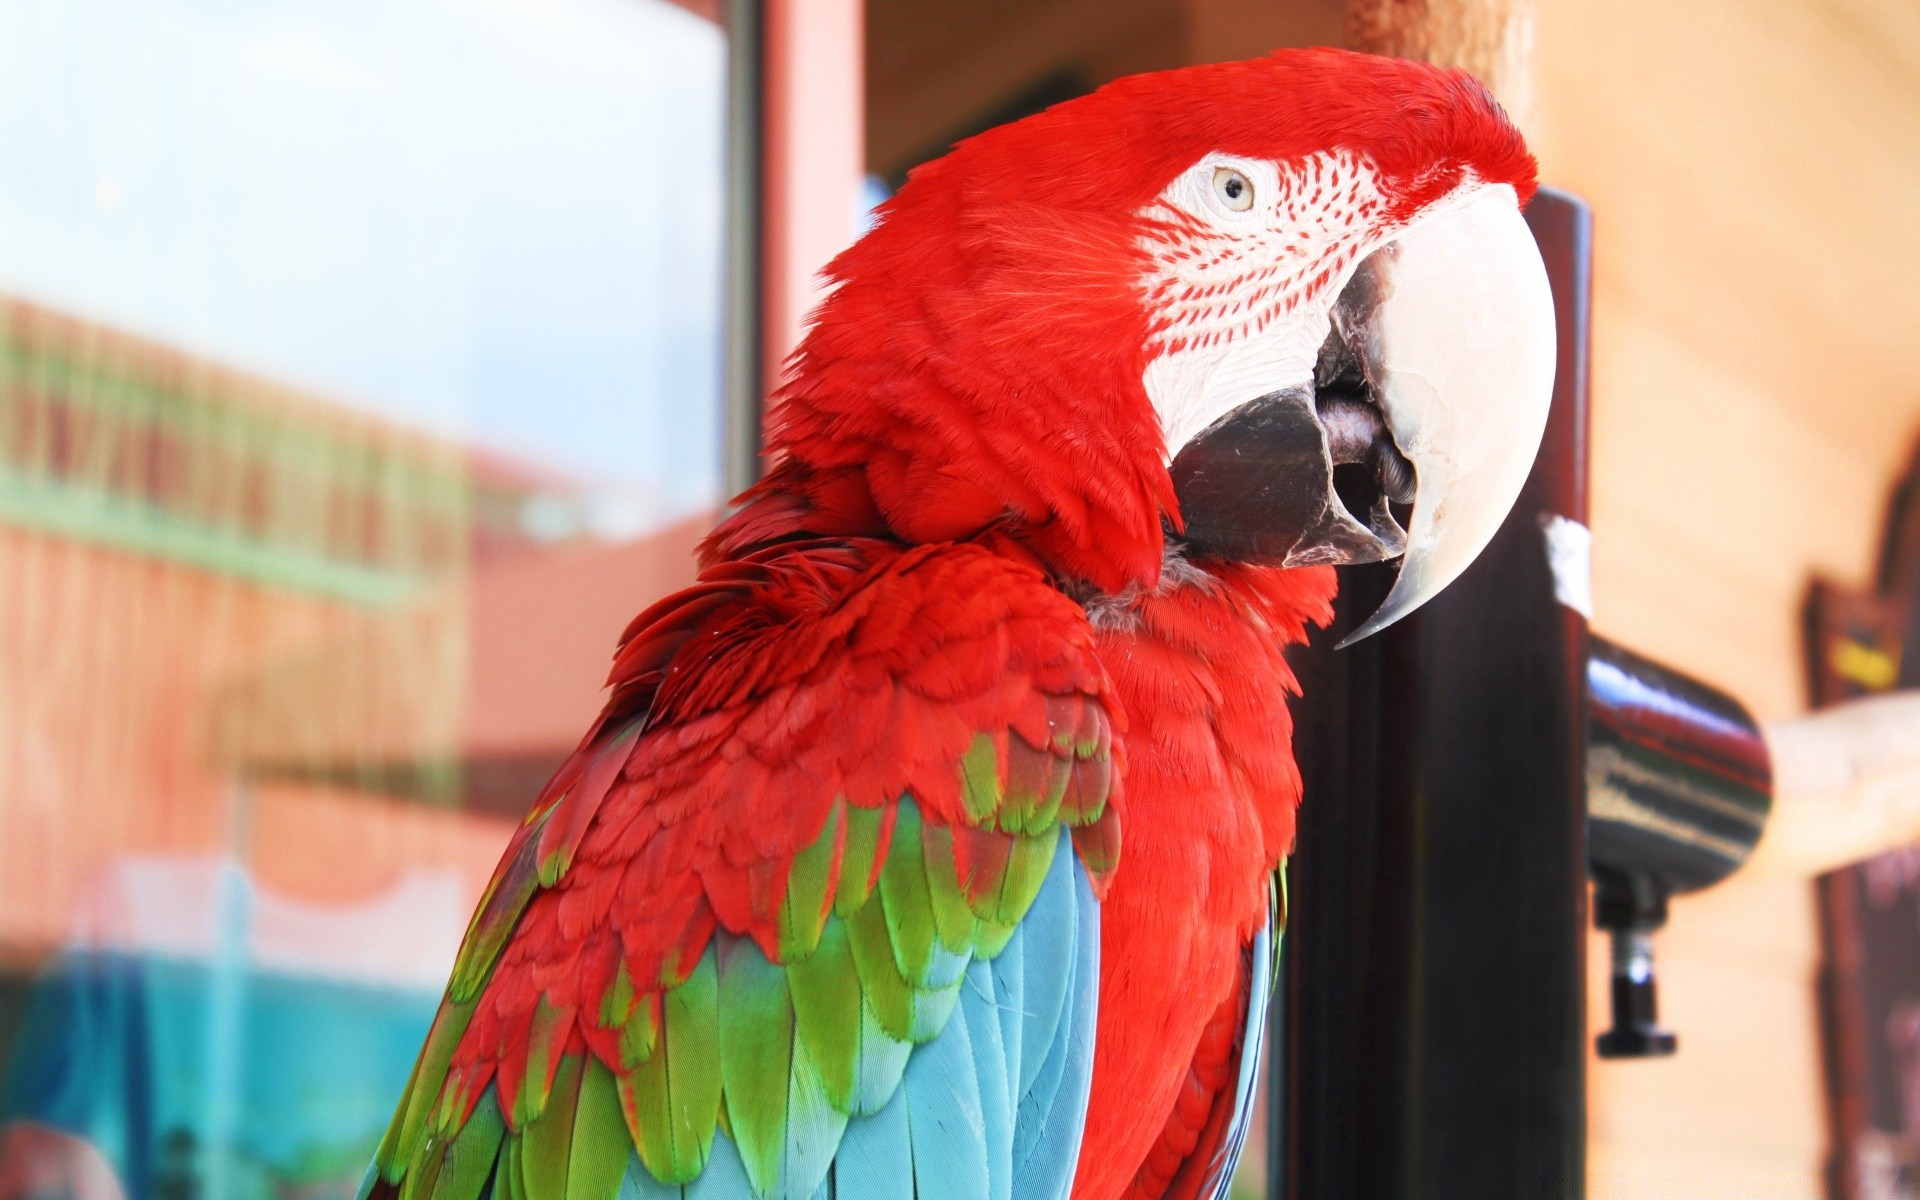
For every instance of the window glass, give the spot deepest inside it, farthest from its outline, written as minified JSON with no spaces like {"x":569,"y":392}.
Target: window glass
{"x":359,"y":379}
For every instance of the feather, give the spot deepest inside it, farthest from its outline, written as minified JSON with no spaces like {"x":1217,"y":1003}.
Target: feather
{"x":980,"y":864}
{"x":815,"y":848}
{"x":560,"y":834}
{"x":931,"y":1008}
{"x":1253,"y":1040}
{"x":1049,"y":1127}
{"x":1037,"y":781}
{"x":546,"y":1038}
{"x":693,"y":1051}
{"x":815,"y":1126}
{"x":418,"y":1101}
{"x":546,"y":1141}
{"x":1046,"y":989}
{"x":945,"y":1122}
{"x":1087,"y":788}
{"x":876,"y":1155}
{"x":473,"y":1153}
{"x":506,"y":898}
{"x":952,"y":1119}
{"x":756,"y":1059}
{"x":980,"y":790}
{"x":1099,"y":846}
{"x":992,"y":937}
{"x":423,"y":1173}
{"x":672,"y":1100}
{"x":639,"y":1184}
{"x":953,"y":920}
{"x":641,"y":1033}
{"x":885,"y":993}
{"x":508,"y":1181}
{"x":1026,"y":870}
{"x":1195,"y":1156}
{"x":812,"y":880}
{"x":992,"y":1067}
{"x":907,"y":899}
{"x":1009,"y":975}
{"x":860,"y":865}
{"x":883,"y":1059}
{"x":825,"y":987}
{"x":601,"y":1146}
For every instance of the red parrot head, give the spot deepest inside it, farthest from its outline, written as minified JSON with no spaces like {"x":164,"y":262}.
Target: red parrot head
{"x":1253,"y":305}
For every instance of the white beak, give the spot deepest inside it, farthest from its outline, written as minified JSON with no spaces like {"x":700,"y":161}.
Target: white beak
{"x":1459,"y":356}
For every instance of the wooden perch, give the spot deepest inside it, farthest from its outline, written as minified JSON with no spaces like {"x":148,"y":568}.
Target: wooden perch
{"x":1493,"y":39}
{"x":1846,"y":785}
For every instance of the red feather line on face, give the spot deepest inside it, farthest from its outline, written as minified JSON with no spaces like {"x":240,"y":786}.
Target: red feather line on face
{"x":1217,"y":285}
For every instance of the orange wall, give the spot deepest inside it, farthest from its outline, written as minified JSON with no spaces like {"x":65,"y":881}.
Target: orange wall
{"x":1754,"y":166}
{"x":129,"y":688}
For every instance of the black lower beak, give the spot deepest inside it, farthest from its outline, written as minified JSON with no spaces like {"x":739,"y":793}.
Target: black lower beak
{"x":1259,"y":485}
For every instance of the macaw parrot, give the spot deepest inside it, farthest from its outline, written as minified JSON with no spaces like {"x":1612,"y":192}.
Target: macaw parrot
{"x":926,"y":846}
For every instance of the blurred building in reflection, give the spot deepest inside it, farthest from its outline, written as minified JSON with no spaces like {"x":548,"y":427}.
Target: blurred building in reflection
{"x":275,"y":677}
{"x":178,"y":545}
{"x":287,"y":642}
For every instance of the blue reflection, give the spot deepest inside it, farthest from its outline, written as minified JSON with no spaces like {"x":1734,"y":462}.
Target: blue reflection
{"x":207,"y":1078}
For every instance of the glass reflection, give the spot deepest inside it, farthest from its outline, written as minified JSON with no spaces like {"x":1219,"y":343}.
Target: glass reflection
{"x":359,"y":378}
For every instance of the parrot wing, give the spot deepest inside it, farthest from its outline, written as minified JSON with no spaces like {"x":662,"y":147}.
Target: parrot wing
{"x":1201,"y":1145}
{"x":809,"y":913}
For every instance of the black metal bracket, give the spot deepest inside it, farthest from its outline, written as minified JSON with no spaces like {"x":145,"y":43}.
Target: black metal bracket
{"x":1630,"y":907}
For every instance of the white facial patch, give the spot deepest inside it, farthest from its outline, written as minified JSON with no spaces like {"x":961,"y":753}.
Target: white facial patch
{"x":1193,"y":387}
{"x":1242,"y":296}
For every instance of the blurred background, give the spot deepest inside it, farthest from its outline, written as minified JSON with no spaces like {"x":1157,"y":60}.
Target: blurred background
{"x":366,"y":364}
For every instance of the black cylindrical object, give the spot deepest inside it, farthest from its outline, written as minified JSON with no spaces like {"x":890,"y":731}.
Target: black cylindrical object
{"x":1434,"y":1032}
{"x":1678,"y":790}
{"x":1678,"y":779}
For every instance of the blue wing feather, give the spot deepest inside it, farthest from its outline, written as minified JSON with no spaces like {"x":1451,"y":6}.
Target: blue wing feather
{"x":981,"y":1010}
{"x":875,"y":1158}
{"x":814,"y":1126}
{"x":1052,"y":1106}
{"x":993,"y":1107}
{"x":951,"y":1140}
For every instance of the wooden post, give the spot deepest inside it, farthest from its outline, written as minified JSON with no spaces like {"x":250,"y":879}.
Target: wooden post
{"x":1434,"y":1027}
{"x":1493,"y":39}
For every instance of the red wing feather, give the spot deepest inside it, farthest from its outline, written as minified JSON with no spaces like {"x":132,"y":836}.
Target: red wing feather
{"x":1177,"y":1167}
{"x":750,"y":716}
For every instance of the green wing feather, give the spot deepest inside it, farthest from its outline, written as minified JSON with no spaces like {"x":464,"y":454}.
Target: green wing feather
{"x":877,"y":919}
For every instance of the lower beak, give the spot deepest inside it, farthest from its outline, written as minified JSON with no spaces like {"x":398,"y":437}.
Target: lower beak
{"x":1432,"y":389}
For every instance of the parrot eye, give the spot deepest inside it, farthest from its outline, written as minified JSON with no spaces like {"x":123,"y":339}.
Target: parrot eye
{"x":1234,"y":189}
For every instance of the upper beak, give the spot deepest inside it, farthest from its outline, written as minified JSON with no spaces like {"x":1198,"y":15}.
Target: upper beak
{"x":1433,"y":387}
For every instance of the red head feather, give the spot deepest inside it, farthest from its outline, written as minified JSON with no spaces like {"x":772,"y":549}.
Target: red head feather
{"x":980,"y":361}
